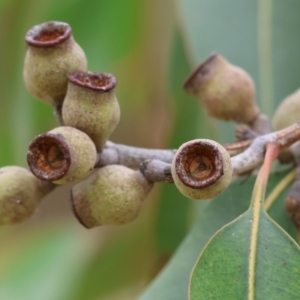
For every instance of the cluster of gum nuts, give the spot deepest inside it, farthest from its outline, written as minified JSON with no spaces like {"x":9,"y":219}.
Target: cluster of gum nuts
{"x":87,"y":110}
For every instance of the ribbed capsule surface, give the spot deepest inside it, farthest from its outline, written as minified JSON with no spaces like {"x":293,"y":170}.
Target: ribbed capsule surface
{"x":51,"y":56}
{"x":91,"y":105}
{"x":20,"y":195}
{"x":112,"y":195}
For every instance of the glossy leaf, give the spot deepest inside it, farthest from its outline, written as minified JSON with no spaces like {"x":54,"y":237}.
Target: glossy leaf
{"x":251,"y":257}
{"x":222,"y":271}
{"x":172,"y":283}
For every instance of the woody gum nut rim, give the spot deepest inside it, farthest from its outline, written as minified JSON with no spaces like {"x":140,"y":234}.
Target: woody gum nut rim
{"x":199,"y":164}
{"x":102,"y":82}
{"x":49,"y":157}
{"x":191,"y":84}
{"x":48,"y":34}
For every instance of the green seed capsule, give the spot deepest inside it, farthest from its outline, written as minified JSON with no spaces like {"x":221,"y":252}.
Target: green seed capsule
{"x":112,"y":195}
{"x":91,"y":105}
{"x":225,"y":91}
{"x":288,"y":112}
{"x":51,"y":56}
{"x":201,"y":169}
{"x":20,"y":194}
{"x":63,"y":155}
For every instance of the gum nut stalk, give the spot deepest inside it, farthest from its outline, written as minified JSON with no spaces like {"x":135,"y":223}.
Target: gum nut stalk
{"x":225,"y":91}
{"x":20,"y":194}
{"x":112,"y":195}
{"x":51,"y":56}
{"x":201,"y":169}
{"x":288,"y":112}
{"x":63,"y":155}
{"x":91,"y":105}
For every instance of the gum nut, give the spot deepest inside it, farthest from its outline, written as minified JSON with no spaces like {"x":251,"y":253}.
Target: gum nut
{"x":51,"y":56}
{"x":20,"y":195}
{"x":112,"y":195}
{"x":224,"y":90}
{"x":63,"y":155}
{"x":201,"y":169}
{"x":92,"y":106}
{"x":288,"y":112}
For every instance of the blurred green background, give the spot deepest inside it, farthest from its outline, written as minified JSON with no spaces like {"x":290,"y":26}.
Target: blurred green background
{"x":151,"y":46}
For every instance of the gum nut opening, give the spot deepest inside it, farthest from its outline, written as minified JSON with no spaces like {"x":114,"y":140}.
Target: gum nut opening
{"x":102,"y":82}
{"x":199,"y":164}
{"x":48,"y":34}
{"x":49,"y":157}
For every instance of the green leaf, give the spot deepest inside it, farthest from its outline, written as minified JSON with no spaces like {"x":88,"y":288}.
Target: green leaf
{"x":223,"y":269}
{"x":250,"y":258}
{"x":214,"y":214}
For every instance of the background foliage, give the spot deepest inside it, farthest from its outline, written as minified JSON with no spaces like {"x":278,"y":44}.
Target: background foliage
{"x":151,"y":46}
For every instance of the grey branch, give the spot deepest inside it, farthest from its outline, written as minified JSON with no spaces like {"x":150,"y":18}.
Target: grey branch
{"x":156,"y":164}
{"x":131,"y":157}
{"x":253,"y":156}
{"x":157,"y":171}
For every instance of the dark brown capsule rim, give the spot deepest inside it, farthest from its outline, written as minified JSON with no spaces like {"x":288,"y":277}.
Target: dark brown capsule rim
{"x":191,"y":83}
{"x":39,"y":153}
{"x":101,"y":82}
{"x":48,"y":34}
{"x":190,"y":155}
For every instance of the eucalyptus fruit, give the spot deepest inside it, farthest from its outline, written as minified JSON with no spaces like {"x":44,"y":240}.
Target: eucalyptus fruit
{"x":63,"y":155}
{"x":91,"y":105}
{"x":112,"y":195}
{"x":288,"y":112}
{"x":201,"y":169}
{"x":225,"y":91}
{"x":51,"y":56}
{"x":292,"y":203}
{"x":20,"y":194}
